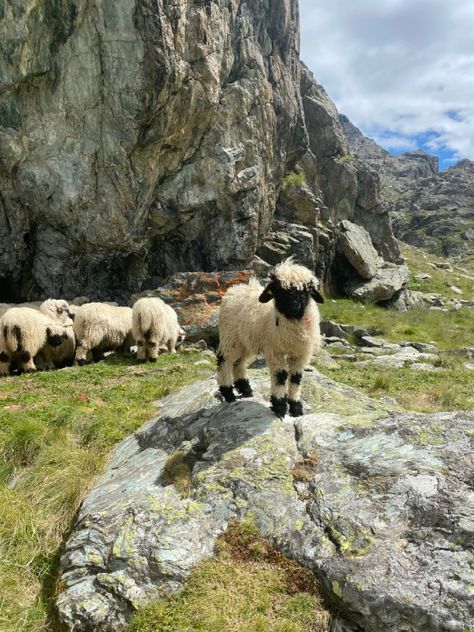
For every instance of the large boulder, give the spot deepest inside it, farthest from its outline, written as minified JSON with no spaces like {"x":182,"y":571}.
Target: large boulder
{"x":387,"y":282}
{"x":376,"y":501}
{"x":355,"y":244}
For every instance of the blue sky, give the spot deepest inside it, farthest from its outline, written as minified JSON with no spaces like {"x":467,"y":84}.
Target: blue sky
{"x":401,"y":70}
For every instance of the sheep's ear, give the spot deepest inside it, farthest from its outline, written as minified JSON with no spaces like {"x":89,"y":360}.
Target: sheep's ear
{"x":267,"y":294}
{"x":316,"y":294}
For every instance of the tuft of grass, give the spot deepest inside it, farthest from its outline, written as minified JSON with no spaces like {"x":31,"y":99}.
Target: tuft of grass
{"x":56,"y":430}
{"x":293,"y":180}
{"x":248,"y":586}
{"x":177,"y":471}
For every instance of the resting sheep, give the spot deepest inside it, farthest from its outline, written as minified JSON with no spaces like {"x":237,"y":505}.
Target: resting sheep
{"x":155,"y":325}
{"x":280,"y":322}
{"x":100,"y":327}
{"x":27,"y":333}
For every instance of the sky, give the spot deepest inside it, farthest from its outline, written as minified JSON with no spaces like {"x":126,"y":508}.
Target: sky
{"x":401,"y":70}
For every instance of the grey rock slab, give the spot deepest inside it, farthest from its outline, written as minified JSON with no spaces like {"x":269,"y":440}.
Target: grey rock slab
{"x":382,"y":287}
{"x":386,"y":521}
{"x":356,"y":245}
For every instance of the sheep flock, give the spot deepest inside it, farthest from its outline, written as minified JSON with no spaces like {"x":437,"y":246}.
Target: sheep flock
{"x":279,"y":321}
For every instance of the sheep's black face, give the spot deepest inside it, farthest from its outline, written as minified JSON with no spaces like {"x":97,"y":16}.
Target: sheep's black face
{"x":290,"y":302}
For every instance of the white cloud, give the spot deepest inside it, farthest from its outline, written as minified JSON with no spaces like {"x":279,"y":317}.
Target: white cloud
{"x":397,"y":68}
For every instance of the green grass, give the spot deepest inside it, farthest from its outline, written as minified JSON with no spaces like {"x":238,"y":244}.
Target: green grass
{"x":246,"y":587}
{"x":56,"y":429}
{"x":450,"y":330}
{"x":420,"y":261}
{"x":450,"y":389}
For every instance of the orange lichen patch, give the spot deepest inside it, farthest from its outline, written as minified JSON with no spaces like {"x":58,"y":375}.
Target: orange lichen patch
{"x":184,"y":285}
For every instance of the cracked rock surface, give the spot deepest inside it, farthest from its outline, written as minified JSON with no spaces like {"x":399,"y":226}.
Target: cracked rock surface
{"x":136,"y":133}
{"x":376,"y":501}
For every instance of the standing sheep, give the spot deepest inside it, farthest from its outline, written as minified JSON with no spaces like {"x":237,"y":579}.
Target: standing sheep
{"x":100,"y":327}
{"x":280,"y":322}
{"x":26,"y":333}
{"x":155,"y":324}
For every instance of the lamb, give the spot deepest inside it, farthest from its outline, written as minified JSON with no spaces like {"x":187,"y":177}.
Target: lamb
{"x":27,"y":333}
{"x":155,"y":325}
{"x":100,"y":327}
{"x":58,"y":309}
{"x":285,"y":331}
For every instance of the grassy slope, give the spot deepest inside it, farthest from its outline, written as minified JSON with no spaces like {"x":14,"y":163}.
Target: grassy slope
{"x":449,"y":389}
{"x":55,"y":432}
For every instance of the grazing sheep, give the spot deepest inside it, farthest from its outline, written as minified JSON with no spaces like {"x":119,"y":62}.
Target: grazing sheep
{"x":59,"y":310}
{"x":155,"y":325}
{"x":100,"y":327}
{"x":285,"y":331}
{"x":27,"y":333}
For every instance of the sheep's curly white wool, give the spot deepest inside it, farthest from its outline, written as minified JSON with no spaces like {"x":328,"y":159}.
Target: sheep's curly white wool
{"x":155,"y":325}
{"x":59,"y":309}
{"x":250,"y":324}
{"x":100,"y":327}
{"x":28,"y":333}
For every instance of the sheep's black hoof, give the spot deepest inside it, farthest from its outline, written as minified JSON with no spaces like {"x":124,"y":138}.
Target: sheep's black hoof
{"x":244,"y":387}
{"x":279,"y":405}
{"x":296,"y":408}
{"x":151,"y":359}
{"x":227,"y":393}
{"x":81,"y":362}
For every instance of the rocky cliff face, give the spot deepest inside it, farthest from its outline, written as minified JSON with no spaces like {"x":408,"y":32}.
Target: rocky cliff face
{"x":141,"y":137}
{"x":429,"y":209}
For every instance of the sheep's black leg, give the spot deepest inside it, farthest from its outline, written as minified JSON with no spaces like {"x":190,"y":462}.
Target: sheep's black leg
{"x":279,"y":405}
{"x":296,"y":366}
{"x":241,"y":382}
{"x":227,"y":393}
{"x":224,"y":377}
{"x":279,"y":400}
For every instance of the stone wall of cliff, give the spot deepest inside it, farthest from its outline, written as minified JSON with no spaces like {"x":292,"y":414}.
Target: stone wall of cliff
{"x":141,"y":137}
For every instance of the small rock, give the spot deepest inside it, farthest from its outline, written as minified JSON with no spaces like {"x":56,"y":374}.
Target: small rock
{"x":202,"y":363}
{"x":423,"y":276}
{"x":426,"y":366}
{"x":200,"y":344}
{"x":443,"y":265}
{"x":332,"y":340}
{"x":455,"y":289}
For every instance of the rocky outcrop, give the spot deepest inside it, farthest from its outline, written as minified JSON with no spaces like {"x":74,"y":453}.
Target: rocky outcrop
{"x":376,"y":501}
{"x":136,"y":134}
{"x":350,"y":188}
{"x":429,"y":209}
